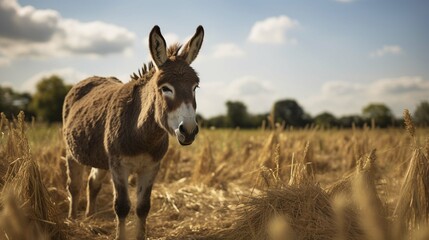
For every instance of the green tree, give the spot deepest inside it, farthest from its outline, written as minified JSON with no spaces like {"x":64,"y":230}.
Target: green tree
{"x":325,"y":119}
{"x":237,"y":114}
{"x":348,"y":121}
{"x":255,"y":121}
{"x":200,"y":120}
{"x":381,"y":114}
{"x":220,"y":121}
{"x":11,"y":102}
{"x":49,"y":98}
{"x":421,"y":114}
{"x":291,"y":112}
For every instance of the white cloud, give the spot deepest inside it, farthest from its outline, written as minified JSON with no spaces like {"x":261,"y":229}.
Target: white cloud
{"x":340,"y":88}
{"x":70,"y":76}
{"x":6,"y":84}
{"x":349,"y":98}
{"x":27,"y":23}
{"x":95,"y":37}
{"x":273,"y":30}
{"x":257,"y":94}
{"x":4,"y":62}
{"x":387,"y":50}
{"x":248,"y":86}
{"x":227,"y":50}
{"x":26,"y":31}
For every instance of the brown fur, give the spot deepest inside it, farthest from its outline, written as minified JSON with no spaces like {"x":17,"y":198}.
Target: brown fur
{"x":104,"y":110}
{"x":124,"y":127}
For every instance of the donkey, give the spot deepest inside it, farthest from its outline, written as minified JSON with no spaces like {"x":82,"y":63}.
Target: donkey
{"x":124,"y":128}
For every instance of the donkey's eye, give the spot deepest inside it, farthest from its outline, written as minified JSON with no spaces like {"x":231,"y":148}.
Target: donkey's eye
{"x":166,"y":89}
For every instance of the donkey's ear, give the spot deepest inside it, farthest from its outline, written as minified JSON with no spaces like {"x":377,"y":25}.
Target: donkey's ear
{"x":157,"y":46}
{"x":192,"y":47}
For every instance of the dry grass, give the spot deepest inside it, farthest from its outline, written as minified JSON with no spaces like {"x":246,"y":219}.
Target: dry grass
{"x":279,"y":184}
{"x":412,"y":209}
{"x":305,"y":209}
{"x":24,"y":197}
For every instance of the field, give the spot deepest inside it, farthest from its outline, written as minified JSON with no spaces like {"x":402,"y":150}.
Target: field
{"x":234,"y":184}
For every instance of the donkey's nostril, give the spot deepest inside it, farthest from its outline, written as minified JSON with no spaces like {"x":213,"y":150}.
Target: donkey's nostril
{"x":182,"y":129}
{"x":184,"y":136}
{"x":188,"y":129}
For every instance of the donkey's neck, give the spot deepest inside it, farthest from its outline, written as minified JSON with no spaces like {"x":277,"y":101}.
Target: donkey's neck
{"x":134,"y":125}
{"x":147,"y":126}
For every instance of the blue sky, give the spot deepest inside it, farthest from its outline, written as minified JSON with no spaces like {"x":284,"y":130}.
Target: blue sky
{"x":329,"y":55}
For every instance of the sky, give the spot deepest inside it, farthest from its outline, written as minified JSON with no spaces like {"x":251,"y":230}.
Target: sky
{"x":329,"y":55}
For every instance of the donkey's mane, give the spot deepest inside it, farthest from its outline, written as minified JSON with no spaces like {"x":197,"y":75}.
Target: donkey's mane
{"x":146,"y":72}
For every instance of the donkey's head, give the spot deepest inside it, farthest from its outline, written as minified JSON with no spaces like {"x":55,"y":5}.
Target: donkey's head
{"x":176,"y":82}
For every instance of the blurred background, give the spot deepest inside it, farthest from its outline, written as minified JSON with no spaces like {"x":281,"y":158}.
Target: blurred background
{"x":329,"y":62}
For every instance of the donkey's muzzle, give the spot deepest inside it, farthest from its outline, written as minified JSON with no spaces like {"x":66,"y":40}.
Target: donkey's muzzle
{"x":186,"y":136}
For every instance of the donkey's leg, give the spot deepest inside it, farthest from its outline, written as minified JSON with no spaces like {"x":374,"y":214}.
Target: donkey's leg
{"x":122,"y":200}
{"x":145,"y":180}
{"x":74,"y":183}
{"x":95,"y":180}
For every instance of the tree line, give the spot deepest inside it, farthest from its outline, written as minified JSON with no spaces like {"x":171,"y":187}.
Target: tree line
{"x":289,"y":113}
{"x":44,"y":105}
{"x":47,"y":101}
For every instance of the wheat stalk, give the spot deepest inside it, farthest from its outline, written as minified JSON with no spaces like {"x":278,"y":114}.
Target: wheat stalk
{"x":409,"y":125}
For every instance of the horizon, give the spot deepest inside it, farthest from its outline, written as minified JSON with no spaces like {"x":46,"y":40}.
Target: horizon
{"x":332,"y":56}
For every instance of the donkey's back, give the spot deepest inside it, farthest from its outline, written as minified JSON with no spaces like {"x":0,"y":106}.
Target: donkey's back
{"x":84,"y":117}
